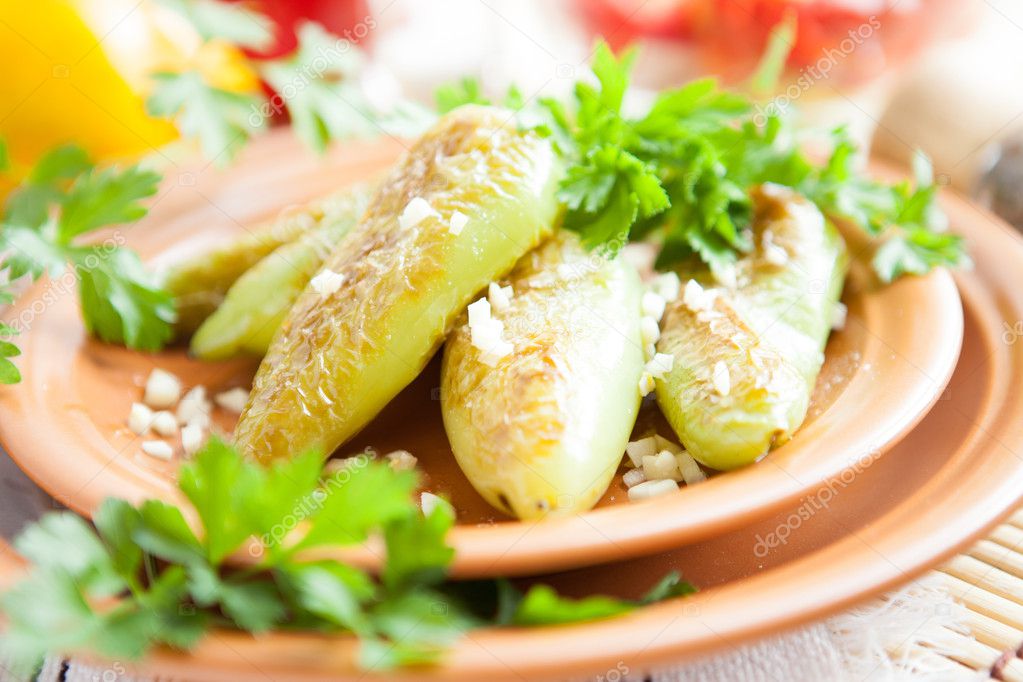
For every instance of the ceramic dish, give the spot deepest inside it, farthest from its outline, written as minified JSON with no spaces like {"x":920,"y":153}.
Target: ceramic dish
{"x":956,"y":475}
{"x":66,"y":424}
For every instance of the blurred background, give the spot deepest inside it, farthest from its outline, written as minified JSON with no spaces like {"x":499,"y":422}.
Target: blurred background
{"x":126,"y":77}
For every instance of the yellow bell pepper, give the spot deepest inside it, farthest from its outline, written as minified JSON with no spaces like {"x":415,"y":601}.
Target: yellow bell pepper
{"x":78,"y":71}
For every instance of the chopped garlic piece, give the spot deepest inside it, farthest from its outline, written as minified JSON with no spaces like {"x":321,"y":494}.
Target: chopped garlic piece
{"x":667,"y":286}
{"x":416,"y":211}
{"x":191,"y":439}
{"x":696,"y":298}
{"x":648,"y":489}
{"x":646,"y":384}
{"x":402,"y":460}
{"x":327,"y":282}
{"x":232,"y":400}
{"x":192,"y":404}
{"x":661,"y":466}
{"x":633,"y":477}
{"x":776,"y":255}
{"x":202,"y":420}
{"x":663,"y":443}
{"x":479,"y":312}
{"x":660,"y":365}
{"x":139,"y":418}
{"x":773,"y":253}
{"x":428,"y":502}
{"x":334,"y":466}
{"x":638,"y":449}
{"x":691,"y":471}
{"x":726,"y":276}
{"x":163,"y":389}
{"x":165,"y":423}
{"x":838,"y":315}
{"x":485,"y":333}
{"x":498,"y":296}
{"x":653,"y":305}
{"x":649,"y":331}
{"x":158,"y":449}
{"x":458,"y":222}
{"x":722,"y":379}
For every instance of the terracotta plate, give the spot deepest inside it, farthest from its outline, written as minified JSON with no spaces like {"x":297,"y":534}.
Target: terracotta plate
{"x":65,"y":425}
{"x":947,"y":483}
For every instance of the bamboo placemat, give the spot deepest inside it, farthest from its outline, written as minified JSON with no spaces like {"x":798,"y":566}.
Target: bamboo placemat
{"x":988,"y":581}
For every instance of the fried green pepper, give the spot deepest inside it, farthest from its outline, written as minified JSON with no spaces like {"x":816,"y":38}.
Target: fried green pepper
{"x":746,"y":358}
{"x":467,"y":200}
{"x":199,"y":285}
{"x":541,"y":429}
{"x":258,"y":301}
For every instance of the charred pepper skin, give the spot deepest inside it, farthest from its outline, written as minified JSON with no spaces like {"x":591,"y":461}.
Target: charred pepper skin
{"x":200,"y":285}
{"x":543,"y":431}
{"x":257,"y":303}
{"x":769,"y":332}
{"x":338,"y":359}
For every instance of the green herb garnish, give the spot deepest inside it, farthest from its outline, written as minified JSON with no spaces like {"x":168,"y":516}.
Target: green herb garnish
{"x":222,"y":121}
{"x":318,"y":85}
{"x":229,"y":21}
{"x":680,"y":174}
{"x":43,"y":229}
{"x":144,"y":578}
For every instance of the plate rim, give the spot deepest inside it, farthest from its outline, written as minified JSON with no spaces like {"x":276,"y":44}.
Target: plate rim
{"x":225,"y":655}
{"x":598,"y":535}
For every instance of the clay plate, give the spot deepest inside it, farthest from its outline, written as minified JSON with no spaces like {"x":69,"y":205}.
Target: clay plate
{"x":65,"y":424}
{"x":943,"y":487}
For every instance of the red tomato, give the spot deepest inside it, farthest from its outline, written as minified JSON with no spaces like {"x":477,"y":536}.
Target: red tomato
{"x":620,"y":22}
{"x":853,"y":39}
{"x":348,"y":19}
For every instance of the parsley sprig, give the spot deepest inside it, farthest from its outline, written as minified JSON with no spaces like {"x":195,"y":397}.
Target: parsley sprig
{"x":142,"y":577}
{"x":45,"y":226}
{"x":680,"y":174}
{"x":320,"y":85}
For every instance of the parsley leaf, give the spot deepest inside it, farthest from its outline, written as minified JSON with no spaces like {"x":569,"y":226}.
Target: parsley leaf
{"x":357,"y":501}
{"x":470,"y":91}
{"x":63,"y":199}
{"x":229,"y":21}
{"x":29,"y":205}
{"x":680,"y":174}
{"x":321,"y":86}
{"x":221,"y":120}
{"x":543,"y":606}
{"x":173,"y":581}
{"x":104,"y":197}
{"x":454,"y":95}
{"x":121,"y":301}
{"x":416,"y":548}
{"x":669,"y":587}
{"x":9,"y":373}
{"x":215,"y":482}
